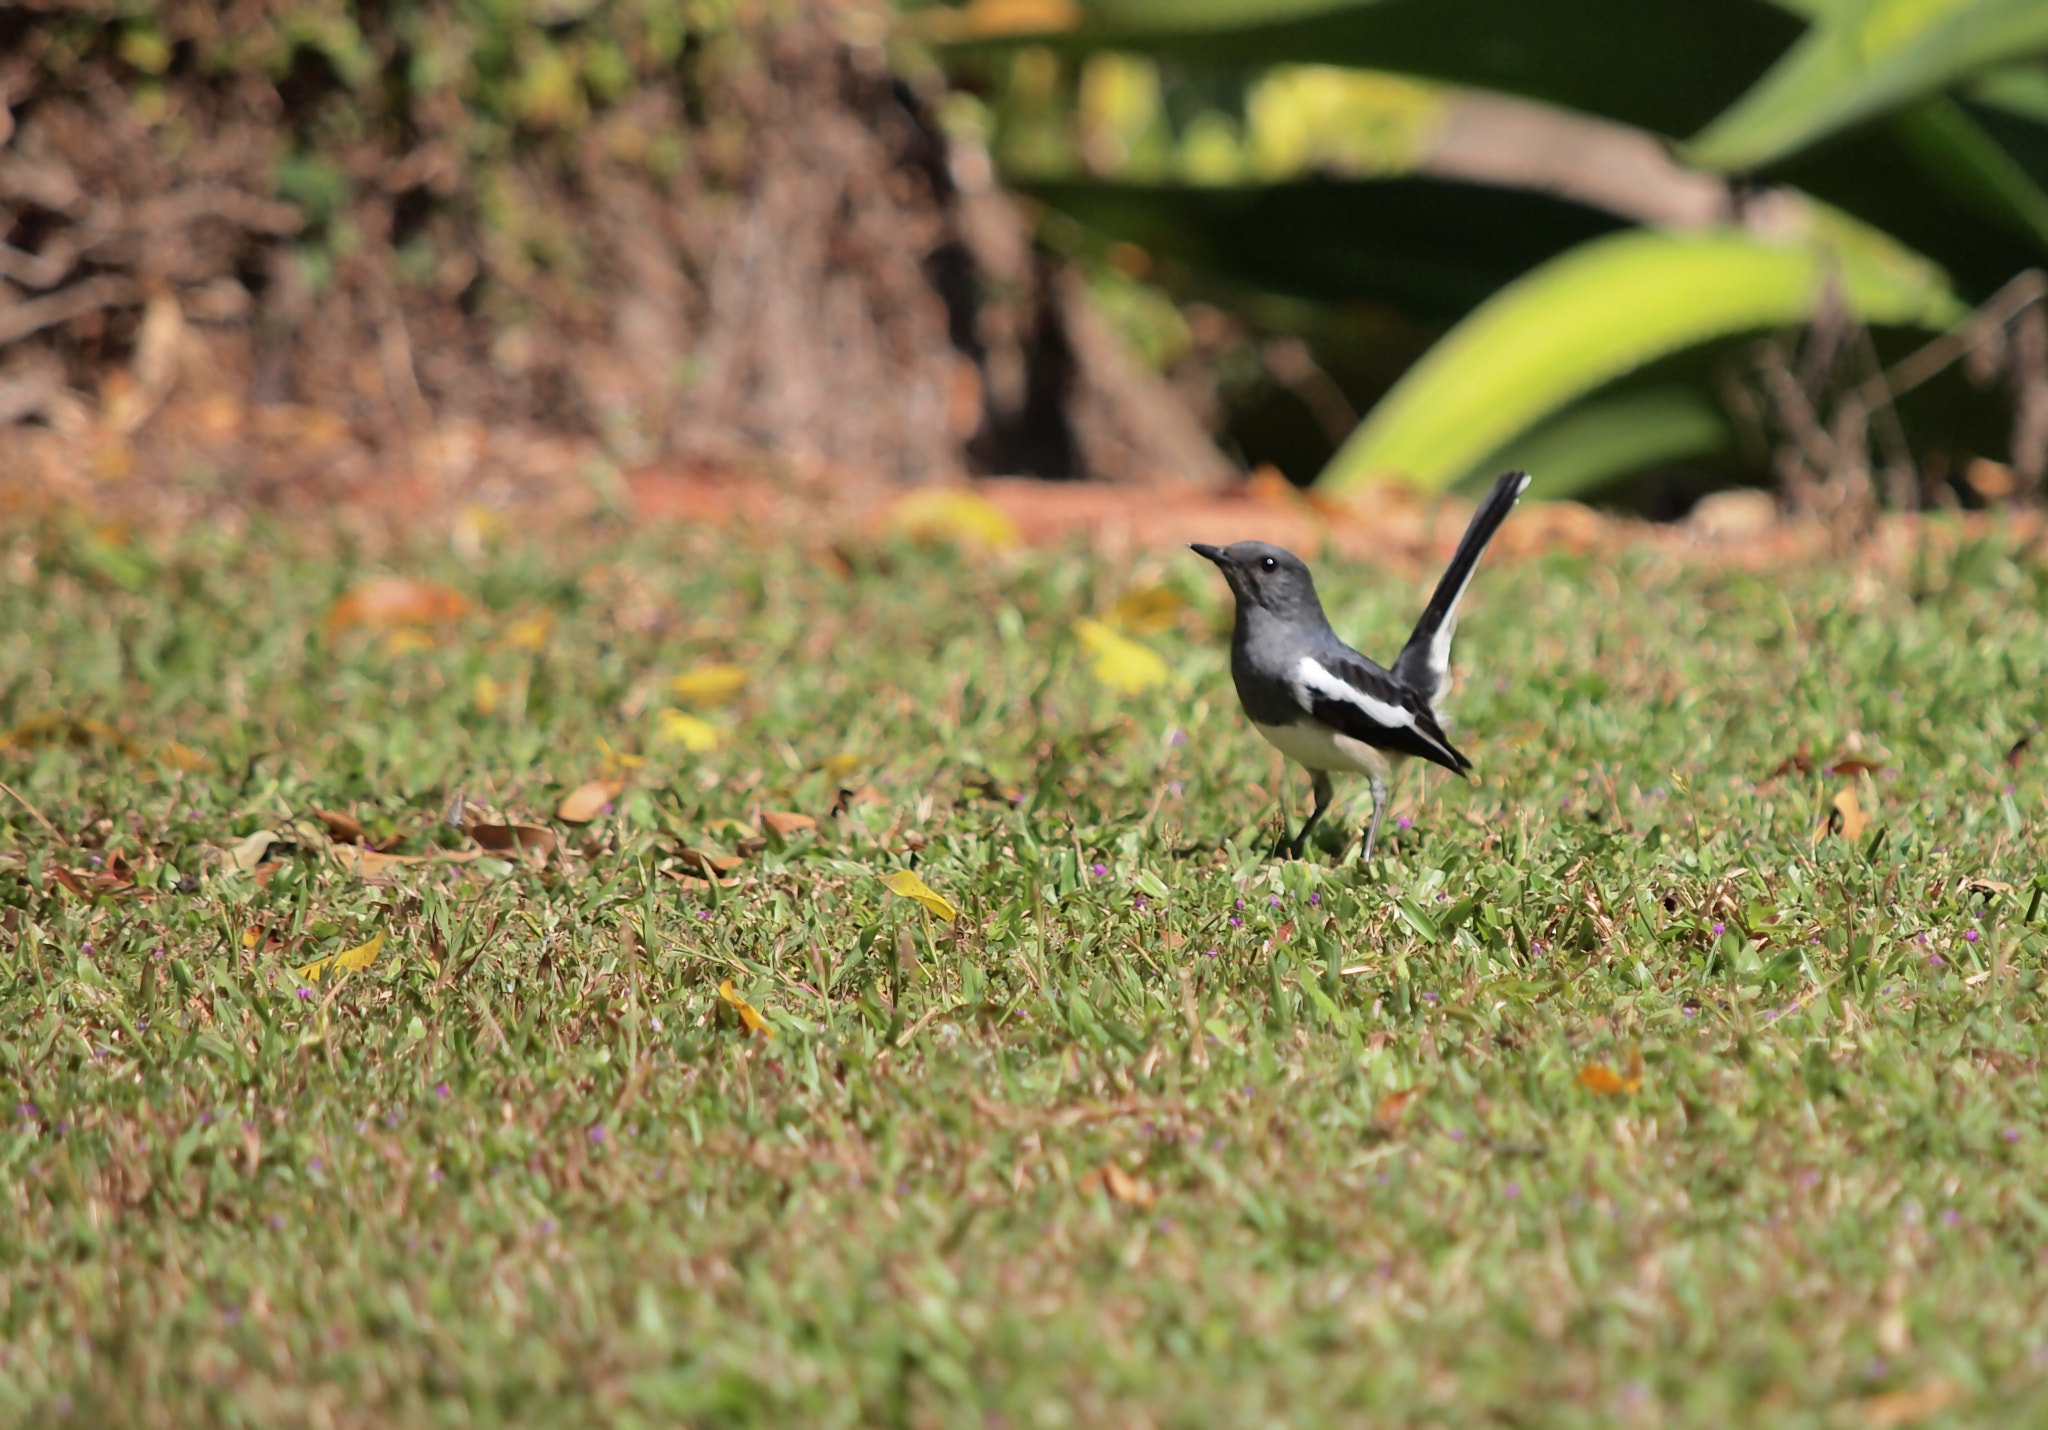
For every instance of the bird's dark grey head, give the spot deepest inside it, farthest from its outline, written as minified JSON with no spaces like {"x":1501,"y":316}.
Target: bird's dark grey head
{"x":1266,"y":577}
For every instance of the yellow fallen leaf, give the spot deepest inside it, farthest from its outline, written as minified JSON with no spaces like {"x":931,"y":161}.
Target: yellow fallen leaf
{"x":697,"y":736}
{"x":355,"y":960}
{"x":1147,"y":609}
{"x":530,"y":632}
{"x":905,"y":882}
{"x":1120,"y":662}
{"x":1604,"y":1081}
{"x":587,"y":801}
{"x":709,"y":685}
{"x":749,"y":1014}
{"x":385,"y":602}
{"x":349,"y":960}
{"x":956,"y":515}
{"x":180,"y":757}
{"x":842,"y":764}
{"x":407,"y":641}
{"x":488,"y":693}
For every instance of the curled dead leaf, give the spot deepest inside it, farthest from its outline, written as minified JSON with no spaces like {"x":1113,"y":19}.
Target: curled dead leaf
{"x":711,"y":866}
{"x":1847,"y":817}
{"x":785,"y":825}
{"x":587,"y":801}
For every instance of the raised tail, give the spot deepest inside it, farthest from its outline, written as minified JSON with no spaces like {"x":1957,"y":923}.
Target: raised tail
{"x":1424,"y":664}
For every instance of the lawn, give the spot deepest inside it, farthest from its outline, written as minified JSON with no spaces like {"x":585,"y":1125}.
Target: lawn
{"x":1684,"y":1068}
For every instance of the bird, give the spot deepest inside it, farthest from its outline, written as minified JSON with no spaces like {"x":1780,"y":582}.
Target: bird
{"x":1321,"y":703}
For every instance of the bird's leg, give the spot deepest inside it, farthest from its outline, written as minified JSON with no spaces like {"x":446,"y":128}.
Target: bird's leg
{"x":1379,"y":807}
{"x":1325,"y":792}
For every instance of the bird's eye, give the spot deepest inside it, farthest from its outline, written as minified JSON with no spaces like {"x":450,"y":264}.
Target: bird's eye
{"x":1269,"y":564}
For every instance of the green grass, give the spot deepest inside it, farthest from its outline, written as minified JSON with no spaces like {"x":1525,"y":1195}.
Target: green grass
{"x":527,"y":1167}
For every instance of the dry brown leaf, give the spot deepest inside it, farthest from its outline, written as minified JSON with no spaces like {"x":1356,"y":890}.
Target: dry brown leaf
{"x":533,"y":840}
{"x":1393,"y":1110}
{"x":848,"y":798}
{"x":711,"y":866}
{"x":342,"y":828}
{"x":2018,"y":751}
{"x":1909,"y":1407}
{"x":1848,"y":819}
{"x":785,"y":825}
{"x":1801,"y":761}
{"x":1121,"y":1185}
{"x":1986,"y":886}
{"x":587,"y":801}
{"x":1853,"y":766}
{"x":385,"y":602}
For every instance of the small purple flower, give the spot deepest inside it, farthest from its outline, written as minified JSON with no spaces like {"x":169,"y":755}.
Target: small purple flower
{"x":597,"y":1134}
{"x":1210,"y":954}
{"x":1178,"y":737}
{"x":1969,"y":935}
{"x":97,"y":861}
{"x":547,"y":1226}
{"x":1404,"y":822}
{"x":1535,"y":947}
{"x":1236,"y":922}
{"x":441,"y":1090}
{"x":206,"y":1119}
{"x":435,"y":1175}
{"x":232,"y":1315}
{"x":1314,"y":899}
{"x":85,"y":948}
{"x":316,"y":1165}
{"x":305,"y":993}
{"x":1429,"y":998}
{"x":1951,"y":1217}
{"x":1512,"y":1190}
{"x":1240,"y":903}
{"x":1098,"y":870}
{"x":1935,"y":959}
{"x":1457,"y":1134}
{"x":1720,"y":929}
{"x":703,"y":913}
{"x":1175,"y":788}
{"x":158,"y":954}
{"x":276,"y":1222}
{"x":1140,"y":902}
{"x":1276,"y":901}
{"x":2012,"y":1134}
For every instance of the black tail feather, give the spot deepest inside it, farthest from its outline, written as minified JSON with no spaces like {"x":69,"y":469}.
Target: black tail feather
{"x":1424,"y":663}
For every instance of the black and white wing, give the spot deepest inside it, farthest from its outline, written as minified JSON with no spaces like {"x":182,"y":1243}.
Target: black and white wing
{"x":1354,"y":697}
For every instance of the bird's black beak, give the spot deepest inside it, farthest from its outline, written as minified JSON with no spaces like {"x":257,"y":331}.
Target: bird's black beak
{"x":1207,"y":552}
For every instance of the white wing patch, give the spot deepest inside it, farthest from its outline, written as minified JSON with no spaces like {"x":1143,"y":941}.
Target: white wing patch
{"x":1311,"y":676}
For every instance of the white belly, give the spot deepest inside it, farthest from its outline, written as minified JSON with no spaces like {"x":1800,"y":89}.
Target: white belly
{"x":1316,"y":746}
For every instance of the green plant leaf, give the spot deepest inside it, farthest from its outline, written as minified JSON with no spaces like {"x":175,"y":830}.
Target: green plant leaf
{"x":1668,"y":66}
{"x":1862,"y":58}
{"x":1608,"y":437}
{"x":1604,"y":310}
